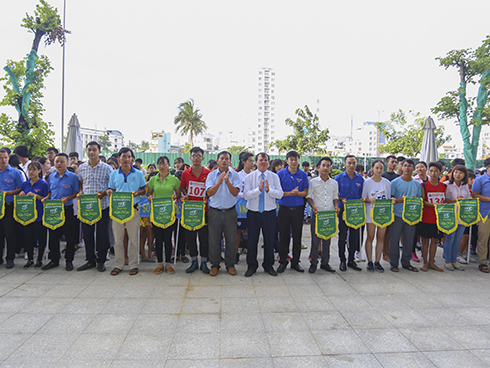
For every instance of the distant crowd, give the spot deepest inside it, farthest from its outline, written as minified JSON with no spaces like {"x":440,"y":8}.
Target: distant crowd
{"x":279,"y":195}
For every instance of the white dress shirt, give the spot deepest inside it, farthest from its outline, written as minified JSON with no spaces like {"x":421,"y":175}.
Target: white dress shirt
{"x":251,"y":190}
{"x":323,"y":193}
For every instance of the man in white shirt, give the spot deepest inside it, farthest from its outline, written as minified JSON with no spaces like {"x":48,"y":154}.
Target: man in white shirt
{"x":261,"y":189}
{"x":323,"y":195}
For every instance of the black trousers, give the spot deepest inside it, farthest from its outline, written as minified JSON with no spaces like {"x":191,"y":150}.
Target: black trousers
{"x":96,"y":238}
{"x":163,"y":236}
{"x":267,"y":222}
{"x":7,"y":223}
{"x":290,"y":220}
{"x":33,"y":231}
{"x":353,"y":239}
{"x":191,"y":239}
{"x":181,"y":242}
{"x":70,"y":231}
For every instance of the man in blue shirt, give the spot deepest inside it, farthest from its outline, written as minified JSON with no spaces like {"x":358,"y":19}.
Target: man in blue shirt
{"x":294,"y":183}
{"x":350,"y":187}
{"x":481,"y":190}
{"x":222,"y":187}
{"x":10,"y":183}
{"x":127,"y":179}
{"x":63,"y":185}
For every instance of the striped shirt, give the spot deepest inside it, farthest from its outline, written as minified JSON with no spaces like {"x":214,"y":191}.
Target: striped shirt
{"x":95,"y":180}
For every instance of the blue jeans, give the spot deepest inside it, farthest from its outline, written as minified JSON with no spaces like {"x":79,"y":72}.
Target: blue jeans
{"x":451,"y":245}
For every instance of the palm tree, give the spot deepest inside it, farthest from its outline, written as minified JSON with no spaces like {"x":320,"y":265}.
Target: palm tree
{"x":188,"y":121}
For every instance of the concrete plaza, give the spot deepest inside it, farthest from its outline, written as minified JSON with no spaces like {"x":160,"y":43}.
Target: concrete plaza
{"x":57,"y":318}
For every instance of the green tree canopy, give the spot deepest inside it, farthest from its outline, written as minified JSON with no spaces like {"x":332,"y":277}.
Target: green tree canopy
{"x":236,"y":150}
{"x":307,"y":137}
{"x":144,"y":146}
{"x":404,"y":137}
{"x":189,"y":121}
{"x":104,"y":141}
{"x":473,"y":66}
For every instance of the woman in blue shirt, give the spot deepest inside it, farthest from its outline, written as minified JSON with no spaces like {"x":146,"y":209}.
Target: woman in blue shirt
{"x":39,"y":188}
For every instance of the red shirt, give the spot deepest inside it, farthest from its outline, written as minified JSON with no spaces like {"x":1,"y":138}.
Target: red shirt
{"x":434,"y":194}
{"x":195,"y":186}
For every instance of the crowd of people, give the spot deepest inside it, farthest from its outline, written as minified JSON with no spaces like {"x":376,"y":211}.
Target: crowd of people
{"x":275,"y":194}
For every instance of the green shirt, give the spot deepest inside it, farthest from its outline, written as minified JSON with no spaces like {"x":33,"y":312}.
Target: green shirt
{"x":165,"y":189}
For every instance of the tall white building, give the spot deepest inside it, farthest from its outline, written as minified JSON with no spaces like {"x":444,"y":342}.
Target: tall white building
{"x":365,"y":141}
{"x":115,"y":137}
{"x":259,"y":139}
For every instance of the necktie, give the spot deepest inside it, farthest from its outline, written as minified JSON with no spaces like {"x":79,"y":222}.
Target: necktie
{"x":262,"y":195}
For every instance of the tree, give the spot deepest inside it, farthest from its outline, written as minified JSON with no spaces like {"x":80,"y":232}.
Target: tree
{"x":472,"y":65}
{"x":406,"y":138}
{"x":144,"y":146}
{"x":236,"y":150}
{"x":187,"y":147}
{"x":133,"y":146}
{"x":307,"y":136}
{"x":30,"y":129}
{"x":189,"y":121}
{"x":105,"y":143}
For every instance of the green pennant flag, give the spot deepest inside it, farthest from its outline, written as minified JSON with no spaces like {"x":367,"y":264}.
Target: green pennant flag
{"x":382,"y":212}
{"x":469,"y":211}
{"x":54,"y":213}
{"x":122,"y":207}
{"x":2,"y":205}
{"x":89,"y":210}
{"x":354,"y":213}
{"x":162,"y":212}
{"x":412,"y":210}
{"x":193,"y":215}
{"x":447,"y":221}
{"x":326,"y":224}
{"x":25,"y":211}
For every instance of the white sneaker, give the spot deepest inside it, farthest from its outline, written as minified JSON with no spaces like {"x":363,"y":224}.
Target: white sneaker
{"x":363,"y":256}
{"x":357,"y":257}
{"x":462,"y":258}
{"x":108,"y":257}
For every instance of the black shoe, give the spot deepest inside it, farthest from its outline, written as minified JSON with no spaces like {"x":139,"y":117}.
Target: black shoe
{"x":370,"y":267}
{"x":249,"y":272}
{"x":28,"y":264}
{"x":297,"y":267}
{"x":10,"y":264}
{"x":282,"y":267}
{"x":312,"y":269}
{"x":354,"y":266}
{"x":271,"y":272}
{"x":69,"y":266}
{"x":38,"y":264}
{"x":327,"y":268}
{"x":111,"y":251}
{"x":50,"y":265}
{"x":237,"y":258}
{"x":86,"y":266}
{"x":342,"y":266}
{"x":100,"y":267}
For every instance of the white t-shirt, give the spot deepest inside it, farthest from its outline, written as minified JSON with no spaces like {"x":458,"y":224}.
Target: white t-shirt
{"x":378,"y":190}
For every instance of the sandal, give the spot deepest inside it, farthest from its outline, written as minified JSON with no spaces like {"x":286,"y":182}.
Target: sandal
{"x":483,"y":268}
{"x":133,"y":271}
{"x":394,"y":269}
{"x":410,"y":268}
{"x":115,"y":271}
{"x":184,"y":259}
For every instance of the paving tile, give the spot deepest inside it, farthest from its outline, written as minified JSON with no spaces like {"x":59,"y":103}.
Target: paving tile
{"x":275,"y":322}
{"x":352,"y":360}
{"x":84,"y":306}
{"x":238,"y":291}
{"x":299,"y":343}
{"x":168,"y":291}
{"x":240,"y":323}
{"x":471,"y":337}
{"x":66,"y":323}
{"x":196,"y":363}
{"x":247,"y":363}
{"x":300,"y":362}
{"x":196,"y":306}
{"x":44,"y":348}
{"x":111,"y":323}
{"x":203,"y":292}
{"x":272,"y":305}
{"x":196,"y":346}
{"x":342,"y":341}
{"x":124,"y":306}
{"x":450,"y":359}
{"x":11,"y":342}
{"x":25,"y":323}
{"x":14,"y":304}
{"x":99,"y":363}
{"x":164,"y":306}
{"x":414,"y":359}
{"x":385,"y":341}
{"x":325,"y":320}
{"x":198,"y":323}
{"x":430,"y":339}
{"x":366,"y":318}
{"x":154,"y":324}
{"x":314,"y":304}
{"x":96,"y":346}
{"x":244,"y":345}
{"x":142,"y":347}
{"x":239,"y":305}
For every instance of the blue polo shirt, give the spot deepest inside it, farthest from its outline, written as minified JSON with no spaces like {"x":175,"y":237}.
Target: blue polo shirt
{"x":401,"y":188}
{"x":289,"y":181}
{"x":349,"y":188}
{"x":10,"y":179}
{"x":482,"y":185}
{"x":120,"y":182}
{"x":41,"y":188}
{"x":223,"y":199}
{"x":63,"y":186}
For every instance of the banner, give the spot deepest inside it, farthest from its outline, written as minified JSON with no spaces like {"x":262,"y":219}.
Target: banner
{"x":469,"y":211}
{"x":178,"y":209}
{"x":54,"y":213}
{"x":89,"y":210}
{"x":162,"y":212}
{"x":382,"y":212}
{"x":412,"y":210}
{"x":354,"y":213}
{"x":25,"y":211}
{"x":2,"y":205}
{"x":241,"y":208}
{"x":193,"y":215}
{"x":326,"y":224}
{"x":447,"y":221}
{"x":144,"y":206}
{"x":122,"y":207}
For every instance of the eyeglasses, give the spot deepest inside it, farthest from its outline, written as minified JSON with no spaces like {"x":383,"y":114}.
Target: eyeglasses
{"x":196,"y":156}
